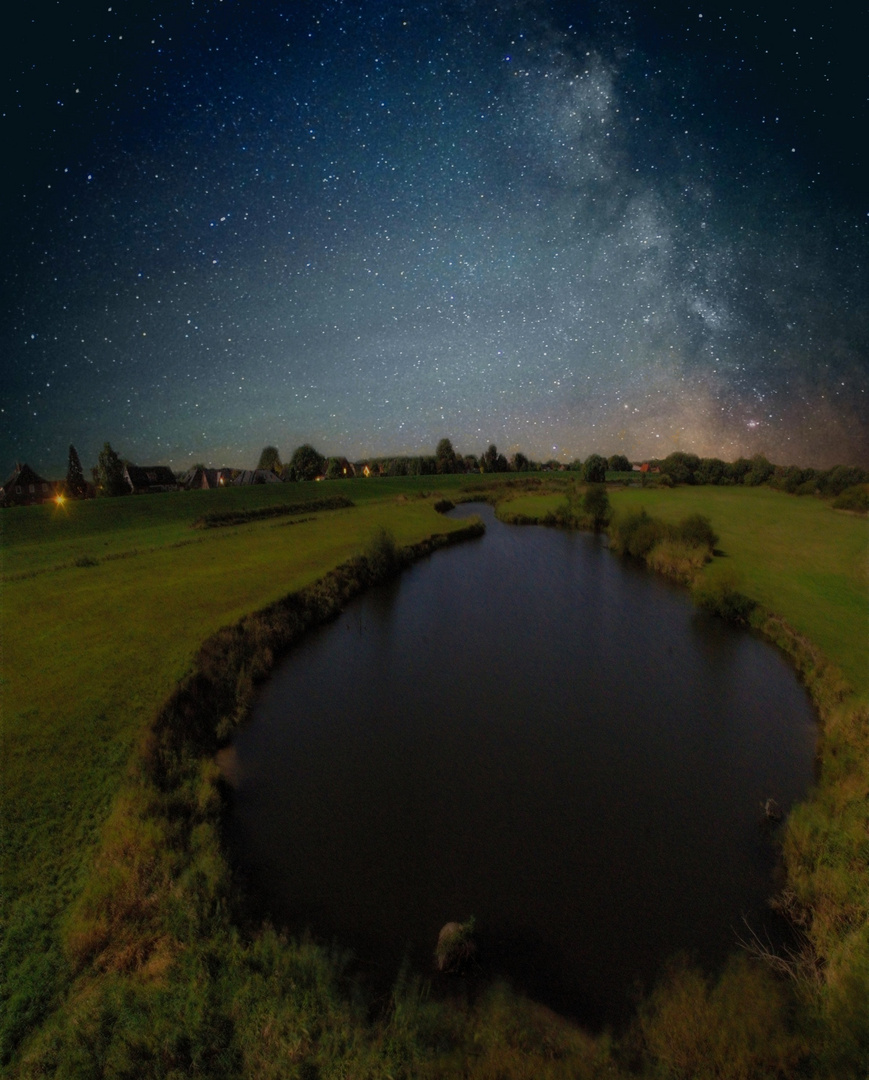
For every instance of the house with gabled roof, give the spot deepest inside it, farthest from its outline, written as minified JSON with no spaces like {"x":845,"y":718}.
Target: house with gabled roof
{"x":205,"y":479}
{"x":26,"y":488}
{"x":146,"y":479}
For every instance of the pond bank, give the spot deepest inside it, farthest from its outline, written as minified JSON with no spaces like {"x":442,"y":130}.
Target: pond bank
{"x":532,"y":732}
{"x":249,"y":1004}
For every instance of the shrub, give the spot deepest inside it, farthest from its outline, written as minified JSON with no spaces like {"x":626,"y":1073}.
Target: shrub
{"x":789,"y":478}
{"x":219,"y":518}
{"x":636,"y":534}
{"x":735,"y":471}
{"x":443,"y":506}
{"x":853,"y":498}
{"x":761,"y":470}
{"x":697,"y":530}
{"x":733,"y":1029}
{"x":841,"y":477}
{"x":596,"y":507}
{"x":721,"y":597}
{"x":677,"y":559}
{"x":382,"y":554}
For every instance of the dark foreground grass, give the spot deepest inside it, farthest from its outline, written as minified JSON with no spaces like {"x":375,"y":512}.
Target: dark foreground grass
{"x":131,"y":954}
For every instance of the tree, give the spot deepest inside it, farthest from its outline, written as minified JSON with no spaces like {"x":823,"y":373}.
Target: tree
{"x":445,"y":457}
{"x":619,"y":463}
{"x":76,"y":485}
{"x":710,"y":471}
{"x":596,"y":505}
{"x":109,"y":473}
{"x":681,"y":467}
{"x":761,"y":470}
{"x":735,"y":471}
{"x":306,"y":463}
{"x":834,"y":481}
{"x":492,"y":461}
{"x":519,"y":463}
{"x":594,"y":469}
{"x":270,"y":459}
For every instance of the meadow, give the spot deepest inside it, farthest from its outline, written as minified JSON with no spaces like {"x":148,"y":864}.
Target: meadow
{"x":106,"y":605}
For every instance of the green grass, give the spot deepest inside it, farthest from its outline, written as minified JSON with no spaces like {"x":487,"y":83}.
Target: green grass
{"x":91,"y":653}
{"x":35,"y":538}
{"x":796,"y":556}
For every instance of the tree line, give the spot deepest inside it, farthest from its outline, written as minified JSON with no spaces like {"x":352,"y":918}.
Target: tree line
{"x":680,"y":467}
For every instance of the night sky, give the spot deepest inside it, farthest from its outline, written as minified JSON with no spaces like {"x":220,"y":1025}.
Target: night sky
{"x":561,"y":227}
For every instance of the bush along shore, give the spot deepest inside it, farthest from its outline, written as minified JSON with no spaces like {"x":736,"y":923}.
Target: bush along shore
{"x":169,"y":980}
{"x":173,"y":981}
{"x":824,"y":977}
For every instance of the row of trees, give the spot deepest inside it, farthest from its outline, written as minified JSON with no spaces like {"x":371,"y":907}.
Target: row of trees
{"x":684,"y":468}
{"x":306,"y":463}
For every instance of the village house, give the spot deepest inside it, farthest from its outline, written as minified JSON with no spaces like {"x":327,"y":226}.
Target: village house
{"x":25,"y":488}
{"x":256,"y":476}
{"x":146,"y":479}
{"x":205,"y":479}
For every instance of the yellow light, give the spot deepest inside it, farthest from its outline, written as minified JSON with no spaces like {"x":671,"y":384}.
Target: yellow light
{"x":59,"y":499}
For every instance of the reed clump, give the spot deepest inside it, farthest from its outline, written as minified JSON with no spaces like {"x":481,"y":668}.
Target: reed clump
{"x":680,"y":551}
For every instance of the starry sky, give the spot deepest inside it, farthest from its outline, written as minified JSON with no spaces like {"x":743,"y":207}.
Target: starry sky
{"x":563,"y":227}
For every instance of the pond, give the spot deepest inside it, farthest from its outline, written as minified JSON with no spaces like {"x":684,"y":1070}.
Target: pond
{"x":531,"y":731}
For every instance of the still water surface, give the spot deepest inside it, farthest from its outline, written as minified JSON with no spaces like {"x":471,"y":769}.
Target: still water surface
{"x":528,"y":730}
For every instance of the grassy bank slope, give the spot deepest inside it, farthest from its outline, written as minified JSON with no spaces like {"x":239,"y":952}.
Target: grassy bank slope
{"x":91,"y":651}
{"x":133,"y":938}
{"x":796,"y":556}
{"x":805,"y":566}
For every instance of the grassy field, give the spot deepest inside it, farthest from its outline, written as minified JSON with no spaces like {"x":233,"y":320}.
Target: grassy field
{"x":90,"y":653}
{"x":104,"y":607}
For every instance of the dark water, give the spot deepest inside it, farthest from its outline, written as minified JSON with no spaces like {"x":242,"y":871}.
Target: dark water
{"x":527,"y":730}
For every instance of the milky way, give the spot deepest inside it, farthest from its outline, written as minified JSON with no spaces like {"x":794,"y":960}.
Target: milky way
{"x":560,"y":227}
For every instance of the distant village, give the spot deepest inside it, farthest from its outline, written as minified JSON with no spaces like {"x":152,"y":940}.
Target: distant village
{"x":114,"y":476}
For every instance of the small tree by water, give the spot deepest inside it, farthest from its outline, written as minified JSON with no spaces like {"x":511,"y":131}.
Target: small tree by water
{"x":596,"y":507}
